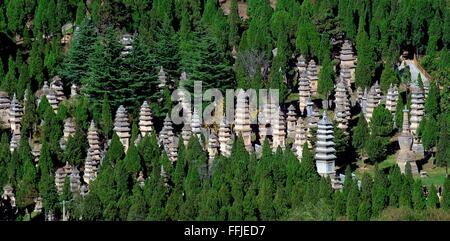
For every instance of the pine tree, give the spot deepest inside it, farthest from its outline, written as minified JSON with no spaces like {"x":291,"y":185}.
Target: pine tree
{"x":132,"y":160}
{"x":429,"y":127}
{"x":165,"y":49}
{"x":23,"y":82}
{"x":405,"y":195}
{"x":81,"y":113}
{"x":81,"y":13}
{"x":115,"y":151}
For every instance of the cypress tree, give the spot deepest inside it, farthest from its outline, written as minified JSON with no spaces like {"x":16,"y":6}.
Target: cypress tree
{"x":307,"y":171}
{"x":399,"y":112}
{"x":388,"y":77}
{"x":75,"y":151}
{"x":326,"y":78}
{"x":352,"y":203}
{"x":432,"y":199}
{"x":234,"y":22}
{"x":75,"y":66}
{"x":417,"y":196}
{"x":8,"y":83}
{"x":138,"y":208}
{"x":366,"y":59}
{"x":106,"y":122}
{"x":360,"y":134}
{"x":395,"y":187}
{"x":446,"y":195}
{"x":379,"y":192}
{"x":443,"y":145}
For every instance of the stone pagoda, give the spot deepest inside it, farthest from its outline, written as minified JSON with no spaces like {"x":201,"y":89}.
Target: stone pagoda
{"x":94,"y":143}
{"x":196,"y":124}
{"x":60,"y":175}
{"x":145,"y":119}
{"x":122,"y":127}
{"x":15,"y":117}
{"x":162,"y":77}
{"x":417,"y":112}
{"x":186,"y":133}
{"x":301,"y":137}
{"x":68,"y":131}
{"x":313,"y":76}
{"x":301,"y":64}
{"x":325,"y":152}
{"x":304,"y":91}
{"x":392,"y":99}
{"x":57,"y":86}
{"x":8,"y":192}
{"x":75,"y":183}
{"x":348,"y":59}
{"x":5,"y":102}
{"x":291,"y":121}
{"x":242,"y":119}
{"x":279,"y":130}
{"x":224,"y":138}
{"x":90,"y":170}
{"x":342,"y":103}
{"x":405,"y":140}
{"x":166,"y":134}
{"x":346,"y":76}
{"x":51,"y":96}
{"x":263,"y":122}
{"x":213,"y":146}
{"x":73,"y":91}
{"x":373,"y":100}
{"x":172,"y":151}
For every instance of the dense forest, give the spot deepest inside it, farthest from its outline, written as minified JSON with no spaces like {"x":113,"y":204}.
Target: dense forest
{"x":223,"y":46}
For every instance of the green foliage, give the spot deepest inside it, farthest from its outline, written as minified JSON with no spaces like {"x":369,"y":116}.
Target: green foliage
{"x":360,"y":134}
{"x":76,"y":147}
{"x":106,"y":122}
{"x":326,"y":78}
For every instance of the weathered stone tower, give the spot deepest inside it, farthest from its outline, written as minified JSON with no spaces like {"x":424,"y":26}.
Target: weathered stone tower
{"x":145,"y":119}
{"x":122,"y":126}
{"x":325,"y":152}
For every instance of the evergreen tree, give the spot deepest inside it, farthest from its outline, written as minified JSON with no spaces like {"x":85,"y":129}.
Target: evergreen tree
{"x":360,"y":134}
{"x":379,"y":192}
{"x":399,"y":112}
{"x":366,"y":59}
{"x":443,"y":145}
{"x":417,"y":196}
{"x":388,"y":77}
{"x":395,"y":187}
{"x":326,"y":78}
{"x":446,"y":195}
{"x":8,"y":83}
{"x":92,"y":209}
{"x":76,"y":147}
{"x":353,"y":200}
{"x":106,"y":122}
{"x":75,"y":66}
{"x":380,"y":130}
{"x":234,"y":22}
{"x":307,"y":171}
{"x":432,"y":199}
{"x":138,"y":208}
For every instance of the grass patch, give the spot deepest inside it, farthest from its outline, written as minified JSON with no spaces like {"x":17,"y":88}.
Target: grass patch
{"x":436,"y":176}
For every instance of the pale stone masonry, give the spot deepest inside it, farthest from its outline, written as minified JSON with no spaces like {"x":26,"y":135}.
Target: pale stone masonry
{"x":325,"y":152}
{"x":279,"y":131}
{"x":417,"y":112}
{"x":304,"y":91}
{"x":301,"y":64}
{"x":405,"y":141}
{"x":224,"y":138}
{"x":313,"y":76}
{"x":145,"y":119}
{"x":392,"y":99}
{"x":57,"y":86}
{"x":301,"y":137}
{"x":122,"y":127}
{"x":242,"y":119}
{"x":342,"y":111}
{"x":291,"y":120}
{"x":348,"y":59}
{"x":373,"y":100}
